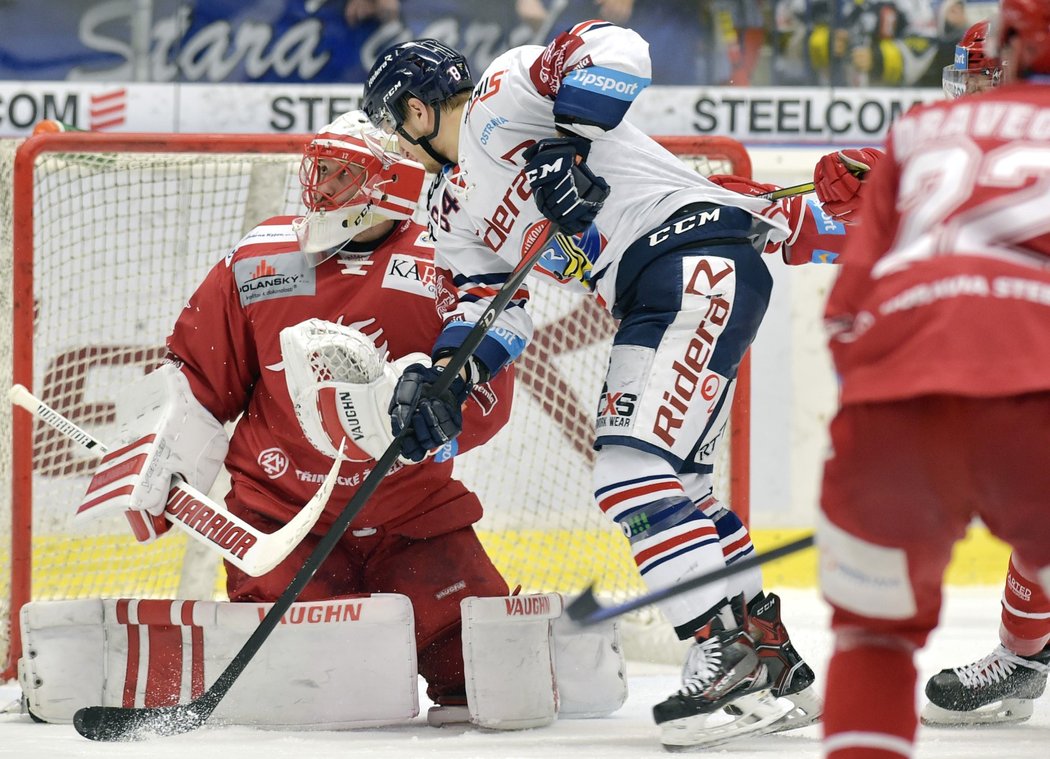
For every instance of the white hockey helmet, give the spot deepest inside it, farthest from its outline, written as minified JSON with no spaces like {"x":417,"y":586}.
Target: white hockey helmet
{"x":353,"y":178}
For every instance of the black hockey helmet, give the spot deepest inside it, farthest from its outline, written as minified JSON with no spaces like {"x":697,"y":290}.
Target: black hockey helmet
{"x":426,"y":69}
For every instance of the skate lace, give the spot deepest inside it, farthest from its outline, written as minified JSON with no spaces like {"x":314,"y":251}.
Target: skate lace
{"x":995,"y":667}
{"x":702,"y":665}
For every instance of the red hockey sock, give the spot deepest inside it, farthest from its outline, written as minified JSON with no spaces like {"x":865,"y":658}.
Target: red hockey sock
{"x":1025,"y":627}
{"x":869,"y":710}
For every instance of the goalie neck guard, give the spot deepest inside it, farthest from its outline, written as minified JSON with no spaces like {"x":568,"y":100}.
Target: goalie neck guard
{"x":353,"y":179}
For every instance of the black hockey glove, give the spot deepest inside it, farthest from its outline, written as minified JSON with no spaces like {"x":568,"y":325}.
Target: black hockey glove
{"x":565,"y":190}
{"x":431,"y":421}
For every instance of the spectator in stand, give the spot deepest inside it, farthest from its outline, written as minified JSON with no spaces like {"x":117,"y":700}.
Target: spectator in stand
{"x":871,"y":42}
{"x":719,"y":41}
{"x":892,"y":44}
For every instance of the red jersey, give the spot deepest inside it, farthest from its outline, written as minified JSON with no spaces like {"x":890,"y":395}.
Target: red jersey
{"x":227,"y":339}
{"x":945,"y":285}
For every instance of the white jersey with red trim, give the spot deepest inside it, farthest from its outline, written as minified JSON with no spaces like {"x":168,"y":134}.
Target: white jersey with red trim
{"x":482,"y":213}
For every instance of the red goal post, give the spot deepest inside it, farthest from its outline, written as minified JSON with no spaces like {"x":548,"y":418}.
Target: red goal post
{"x":107,"y":234}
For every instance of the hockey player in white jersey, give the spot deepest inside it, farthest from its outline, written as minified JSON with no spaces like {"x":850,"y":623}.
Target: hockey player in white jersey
{"x":536,"y":152}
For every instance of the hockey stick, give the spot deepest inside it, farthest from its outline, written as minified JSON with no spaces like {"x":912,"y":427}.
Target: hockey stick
{"x":114,"y":723}
{"x":241,"y":544}
{"x":787,"y":192}
{"x":855,"y":167}
{"x":586,"y":610}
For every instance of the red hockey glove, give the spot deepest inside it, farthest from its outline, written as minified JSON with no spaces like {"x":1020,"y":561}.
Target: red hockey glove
{"x":839,"y":181}
{"x":813,"y":237}
{"x":790,"y":210}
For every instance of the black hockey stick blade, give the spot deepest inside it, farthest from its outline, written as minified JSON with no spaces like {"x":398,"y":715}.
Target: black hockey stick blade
{"x":109,"y":723}
{"x":586,"y":610}
{"x":114,"y":723}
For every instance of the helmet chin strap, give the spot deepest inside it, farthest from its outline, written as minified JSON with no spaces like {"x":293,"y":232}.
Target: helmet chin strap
{"x":424,"y":142}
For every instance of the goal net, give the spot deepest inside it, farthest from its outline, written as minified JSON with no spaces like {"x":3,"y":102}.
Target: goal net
{"x":107,"y":235}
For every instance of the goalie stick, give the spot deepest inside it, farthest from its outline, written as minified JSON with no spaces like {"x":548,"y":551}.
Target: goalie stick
{"x":114,"y":723}
{"x":254,"y":552}
{"x":586,"y":610}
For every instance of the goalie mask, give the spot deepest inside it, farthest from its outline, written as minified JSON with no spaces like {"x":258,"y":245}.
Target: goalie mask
{"x":353,"y":179}
{"x":974,"y":69}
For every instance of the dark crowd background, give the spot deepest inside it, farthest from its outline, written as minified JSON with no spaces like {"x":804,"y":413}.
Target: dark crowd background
{"x":837,"y":43}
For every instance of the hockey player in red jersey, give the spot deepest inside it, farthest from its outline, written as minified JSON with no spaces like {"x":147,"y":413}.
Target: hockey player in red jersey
{"x":540,"y":138}
{"x":940,"y":332}
{"x":999,"y":687}
{"x":358,"y":262}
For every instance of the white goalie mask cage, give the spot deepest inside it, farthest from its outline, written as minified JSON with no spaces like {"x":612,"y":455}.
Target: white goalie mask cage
{"x":353,"y":178}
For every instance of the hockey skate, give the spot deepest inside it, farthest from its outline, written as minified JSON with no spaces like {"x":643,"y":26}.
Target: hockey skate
{"x":789,"y":676}
{"x":723,"y":670}
{"x":997,"y":689}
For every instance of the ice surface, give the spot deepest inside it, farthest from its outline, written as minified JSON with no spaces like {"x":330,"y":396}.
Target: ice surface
{"x":968,"y":631}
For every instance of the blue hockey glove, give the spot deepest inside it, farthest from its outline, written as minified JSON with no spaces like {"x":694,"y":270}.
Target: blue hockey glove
{"x":431,"y":421}
{"x":565,"y":190}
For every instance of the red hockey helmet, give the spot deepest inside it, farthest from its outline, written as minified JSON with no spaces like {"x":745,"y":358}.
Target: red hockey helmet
{"x":353,"y":178}
{"x":1026,"y":25}
{"x":974,"y":68}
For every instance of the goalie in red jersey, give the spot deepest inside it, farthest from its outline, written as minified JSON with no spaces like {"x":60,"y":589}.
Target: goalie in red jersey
{"x":353,"y":278}
{"x":940,"y":331}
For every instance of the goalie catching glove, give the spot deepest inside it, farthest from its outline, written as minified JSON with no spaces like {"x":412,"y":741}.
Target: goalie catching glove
{"x":566,"y":191}
{"x":163,"y":432}
{"x":341,"y":386}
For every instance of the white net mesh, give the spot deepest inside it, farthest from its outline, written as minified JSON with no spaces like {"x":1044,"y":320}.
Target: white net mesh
{"x":119,"y":242}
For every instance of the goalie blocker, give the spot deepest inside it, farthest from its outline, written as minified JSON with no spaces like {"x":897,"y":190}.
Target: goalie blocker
{"x":523,"y":665}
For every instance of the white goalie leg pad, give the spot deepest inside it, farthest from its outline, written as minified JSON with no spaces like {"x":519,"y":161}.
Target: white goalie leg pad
{"x":508,"y":661}
{"x":63,"y":663}
{"x":328,"y":664}
{"x":590,"y":668}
